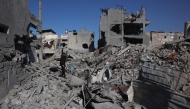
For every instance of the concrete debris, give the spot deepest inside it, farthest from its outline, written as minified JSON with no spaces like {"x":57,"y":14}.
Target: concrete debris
{"x":90,"y":82}
{"x":75,"y":81}
{"x":129,"y":70}
{"x":106,"y":79}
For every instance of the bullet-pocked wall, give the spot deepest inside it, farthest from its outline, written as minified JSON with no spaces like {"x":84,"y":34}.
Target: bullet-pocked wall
{"x":13,"y":21}
{"x":158,"y":38}
{"x":83,"y":40}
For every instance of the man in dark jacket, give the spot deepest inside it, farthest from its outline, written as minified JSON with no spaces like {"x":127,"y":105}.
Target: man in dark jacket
{"x":62,"y":63}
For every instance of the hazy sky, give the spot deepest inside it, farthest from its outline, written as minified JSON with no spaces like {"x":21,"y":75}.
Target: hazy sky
{"x":166,"y":15}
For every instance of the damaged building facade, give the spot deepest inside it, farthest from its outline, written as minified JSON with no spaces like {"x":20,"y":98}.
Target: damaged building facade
{"x":157,"y":38}
{"x":187,"y":29}
{"x":111,"y":77}
{"x":64,"y":38}
{"x":51,"y":42}
{"x":16,"y":47}
{"x":82,"y":41}
{"x":117,"y":27}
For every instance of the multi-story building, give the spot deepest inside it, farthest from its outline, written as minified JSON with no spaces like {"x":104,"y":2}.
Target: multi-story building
{"x":118,"y":27}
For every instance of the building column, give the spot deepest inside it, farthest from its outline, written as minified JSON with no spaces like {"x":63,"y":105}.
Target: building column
{"x":144,"y":28}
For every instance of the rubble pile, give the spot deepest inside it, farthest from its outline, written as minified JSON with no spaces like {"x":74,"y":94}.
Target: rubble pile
{"x":43,"y":90}
{"x":118,"y":62}
{"x":102,"y":80}
{"x":174,"y":56}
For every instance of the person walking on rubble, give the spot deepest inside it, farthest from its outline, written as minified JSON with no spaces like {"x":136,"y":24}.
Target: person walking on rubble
{"x":62,"y":63}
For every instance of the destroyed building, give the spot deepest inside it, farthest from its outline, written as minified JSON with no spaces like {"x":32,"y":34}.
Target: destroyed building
{"x":51,"y":42}
{"x":72,"y":42}
{"x":160,"y":37}
{"x":16,"y":47}
{"x":187,"y":29}
{"x":117,"y":27}
{"x":83,"y":41}
{"x":113,"y":77}
{"x":64,"y":38}
{"x":49,"y":34}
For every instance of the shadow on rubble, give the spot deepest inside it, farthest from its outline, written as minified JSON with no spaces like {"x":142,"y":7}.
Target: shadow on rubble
{"x":31,"y":53}
{"x":100,"y":97}
{"x":87,"y":98}
{"x":123,"y":95}
{"x":54,"y":69}
{"x":101,"y":42}
{"x":91,"y":47}
{"x":148,"y":87}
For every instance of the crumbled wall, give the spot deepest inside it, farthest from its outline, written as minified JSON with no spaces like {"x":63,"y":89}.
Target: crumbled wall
{"x":187,"y":29}
{"x":15,"y":46}
{"x":16,"y":16}
{"x":161,"y":38}
{"x":81,"y":41}
{"x":12,"y":73}
{"x":118,"y":28}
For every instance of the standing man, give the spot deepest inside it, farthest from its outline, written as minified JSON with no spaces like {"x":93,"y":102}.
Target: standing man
{"x":62,"y":63}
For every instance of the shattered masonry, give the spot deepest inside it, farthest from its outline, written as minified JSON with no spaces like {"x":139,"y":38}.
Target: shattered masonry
{"x":133,"y":76}
{"x":187,"y":29}
{"x":15,"y":46}
{"x":118,"y":27}
{"x":83,"y":41}
{"x":120,"y":78}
